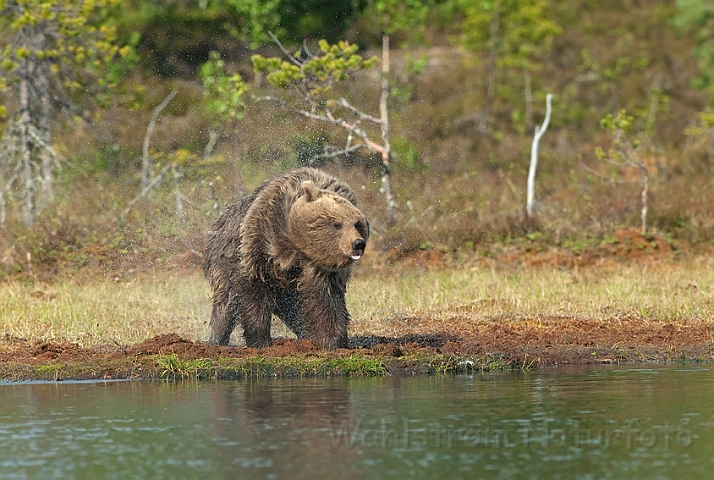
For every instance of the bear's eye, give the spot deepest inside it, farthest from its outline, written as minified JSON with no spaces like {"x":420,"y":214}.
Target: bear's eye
{"x":337,"y":225}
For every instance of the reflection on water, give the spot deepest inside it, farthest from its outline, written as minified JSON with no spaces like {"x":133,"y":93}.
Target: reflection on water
{"x":579,"y":423}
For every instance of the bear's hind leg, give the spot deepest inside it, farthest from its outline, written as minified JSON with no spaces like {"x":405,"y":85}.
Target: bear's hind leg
{"x":256,"y":305}
{"x":223,"y":317}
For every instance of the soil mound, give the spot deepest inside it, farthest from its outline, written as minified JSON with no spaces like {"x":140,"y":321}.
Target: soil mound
{"x":519,"y":344}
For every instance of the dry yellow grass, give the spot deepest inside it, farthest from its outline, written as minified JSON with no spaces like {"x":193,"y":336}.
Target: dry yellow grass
{"x":452,"y":300}
{"x":101,"y":312}
{"x":381,"y":304}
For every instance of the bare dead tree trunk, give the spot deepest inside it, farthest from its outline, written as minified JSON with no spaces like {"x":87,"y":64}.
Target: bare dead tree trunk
{"x":539,"y":131}
{"x":529,"y":98}
{"x":28,"y":179}
{"x":384,"y":117}
{"x":153,"y":183}
{"x":212,"y":140}
{"x":145,"y":157}
{"x":216,"y":204}
{"x":42,"y":84}
{"x":45,"y":124}
{"x":146,"y":165}
{"x":3,"y":211}
{"x":177,"y":191}
{"x":644,"y":194}
{"x":3,"y":202}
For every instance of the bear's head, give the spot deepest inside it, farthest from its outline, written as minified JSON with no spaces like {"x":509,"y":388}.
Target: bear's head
{"x":327,"y":228}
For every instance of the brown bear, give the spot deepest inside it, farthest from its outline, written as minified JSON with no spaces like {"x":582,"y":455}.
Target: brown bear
{"x":286,"y":249}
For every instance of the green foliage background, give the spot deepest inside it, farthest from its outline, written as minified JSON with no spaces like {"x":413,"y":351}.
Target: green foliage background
{"x":459,"y":188}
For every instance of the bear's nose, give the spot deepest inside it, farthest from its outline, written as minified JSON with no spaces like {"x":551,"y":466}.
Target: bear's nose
{"x":359,"y":244}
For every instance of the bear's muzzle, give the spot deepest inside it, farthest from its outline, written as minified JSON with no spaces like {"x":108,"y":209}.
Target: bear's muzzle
{"x":358,"y":247}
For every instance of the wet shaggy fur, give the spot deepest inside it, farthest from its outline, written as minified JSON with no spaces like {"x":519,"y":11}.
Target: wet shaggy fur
{"x":286,"y":249}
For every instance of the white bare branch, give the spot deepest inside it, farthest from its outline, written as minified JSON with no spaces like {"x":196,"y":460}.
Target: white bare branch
{"x":144,"y":191}
{"x":363,"y":116}
{"x":145,"y":158}
{"x":306,"y":49}
{"x":539,"y":131}
{"x":285,"y":51}
{"x":58,"y":159}
{"x":314,"y":108}
{"x":3,"y":203}
{"x":339,"y":152}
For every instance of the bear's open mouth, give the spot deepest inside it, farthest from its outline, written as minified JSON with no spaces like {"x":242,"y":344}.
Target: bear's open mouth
{"x":356,"y":256}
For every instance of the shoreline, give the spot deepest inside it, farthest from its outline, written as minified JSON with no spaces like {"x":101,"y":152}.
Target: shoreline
{"x":499,"y":347}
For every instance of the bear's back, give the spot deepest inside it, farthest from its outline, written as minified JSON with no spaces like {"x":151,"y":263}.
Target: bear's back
{"x":287,"y":186}
{"x":223,"y":240}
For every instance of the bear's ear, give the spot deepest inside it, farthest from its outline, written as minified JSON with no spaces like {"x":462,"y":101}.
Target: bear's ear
{"x":309,"y":190}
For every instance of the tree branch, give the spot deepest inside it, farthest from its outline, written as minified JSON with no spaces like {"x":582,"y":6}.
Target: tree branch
{"x":339,"y":152}
{"x":146,"y":189}
{"x":3,"y":203}
{"x":268,"y":98}
{"x":608,"y":179}
{"x":363,"y":116}
{"x":32,"y":131}
{"x":285,"y":50}
{"x":307,"y":50}
{"x":145,"y":159}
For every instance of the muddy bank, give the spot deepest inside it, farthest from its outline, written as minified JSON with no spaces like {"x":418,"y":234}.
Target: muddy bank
{"x":494,"y":346}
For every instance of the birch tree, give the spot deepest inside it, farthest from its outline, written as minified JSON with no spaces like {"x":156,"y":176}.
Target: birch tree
{"x":55,"y":51}
{"x":311,"y":78}
{"x":513,"y":34}
{"x":539,"y":132}
{"x":625,"y":153}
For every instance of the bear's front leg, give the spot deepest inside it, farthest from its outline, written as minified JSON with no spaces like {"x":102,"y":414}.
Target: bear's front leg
{"x":223,"y":315}
{"x":255,"y":309}
{"x":326,"y":316}
{"x":287,"y":308}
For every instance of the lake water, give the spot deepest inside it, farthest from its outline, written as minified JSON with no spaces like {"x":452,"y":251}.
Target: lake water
{"x":594,"y":423}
